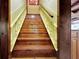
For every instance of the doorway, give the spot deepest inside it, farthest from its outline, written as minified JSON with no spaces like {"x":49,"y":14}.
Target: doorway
{"x":66,"y":54}
{"x":22,"y":16}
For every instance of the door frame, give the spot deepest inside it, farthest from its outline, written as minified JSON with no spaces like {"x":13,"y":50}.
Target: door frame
{"x":64,"y":30}
{"x":4,"y":29}
{"x":64,"y":35}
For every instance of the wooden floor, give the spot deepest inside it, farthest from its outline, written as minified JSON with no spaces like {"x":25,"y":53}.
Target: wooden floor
{"x":37,"y":58}
{"x":33,"y":41}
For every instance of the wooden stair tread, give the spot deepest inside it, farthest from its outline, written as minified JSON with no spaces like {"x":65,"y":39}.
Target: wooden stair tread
{"x":22,"y":58}
{"x":33,"y":42}
{"x":38,"y":21}
{"x":36,"y":58}
{"x":26,"y":27}
{"x":33,"y":35}
{"x":39,"y":31}
{"x":39,"y":38}
{"x":33,"y":47}
{"x":30,"y":29}
{"x":33,"y":26}
{"x":35,"y":53}
{"x":35,"y":23}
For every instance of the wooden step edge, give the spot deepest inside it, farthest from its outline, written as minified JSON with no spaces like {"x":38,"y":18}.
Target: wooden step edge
{"x":34,"y":53}
{"x":19,"y":38}
{"x":33,"y":33}
{"x":35,"y":58}
{"x":34,"y":47}
{"x":32,"y":42}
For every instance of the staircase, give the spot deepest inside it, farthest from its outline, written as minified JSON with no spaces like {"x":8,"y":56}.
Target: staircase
{"x":33,"y":40}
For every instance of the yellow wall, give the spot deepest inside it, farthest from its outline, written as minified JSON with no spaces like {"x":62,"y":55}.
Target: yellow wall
{"x":51,"y":6}
{"x":48,"y":9}
{"x":17,"y":15}
{"x":33,"y":9}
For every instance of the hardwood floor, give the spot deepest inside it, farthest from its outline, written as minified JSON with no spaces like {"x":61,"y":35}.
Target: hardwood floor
{"x":37,"y":58}
{"x":33,"y":40}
